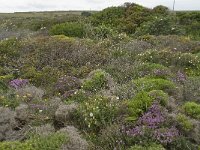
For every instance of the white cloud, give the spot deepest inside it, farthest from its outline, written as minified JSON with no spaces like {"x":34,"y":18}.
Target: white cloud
{"x":42,"y":5}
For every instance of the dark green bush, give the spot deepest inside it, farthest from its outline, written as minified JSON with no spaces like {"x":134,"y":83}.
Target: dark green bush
{"x":160,"y":26}
{"x":71,"y":29}
{"x":86,"y":13}
{"x":161,"y":10}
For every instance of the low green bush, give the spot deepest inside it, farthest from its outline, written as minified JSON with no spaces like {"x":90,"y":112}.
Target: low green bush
{"x":184,"y":122}
{"x":159,"y":96}
{"x":149,"y":84}
{"x":96,"y":82}
{"x":138,"y":105}
{"x":182,"y":143}
{"x":152,"y":70}
{"x":79,"y":96}
{"x":71,"y":29}
{"x":53,"y":141}
{"x":97,"y":112}
{"x":169,"y":58}
{"x":152,"y":146}
{"x":192,"y":109}
{"x":143,"y":100}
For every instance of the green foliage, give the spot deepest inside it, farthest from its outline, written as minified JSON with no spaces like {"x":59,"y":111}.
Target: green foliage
{"x":193,"y":30}
{"x":182,"y":143}
{"x":168,"y":57}
{"x":46,"y":77}
{"x":159,"y":96}
{"x":138,"y":105}
{"x":9,"y":101}
{"x":4,"y":81}
{"x":152,"y":146}
{"x":53,"y":141}
{"x":149,"y":84}
{"x":185,"y":123}
{"x":3,"y":87}
{"x":96,"y":82}
{"x":79,"y":96}
{"x":151,"y":70}
{"x":192,"y":109}
{"x":160,"y":26}
{"x":161,"y":10}
{"x":96,"y":113}
{"x":71,"y":29}
{"x":143,"y":100}
{"x":9,"y":51}
{"x":86,"y":14}
{"x":124,"y":18}
{"x":110,"y":16}
{"x":100,"y":32}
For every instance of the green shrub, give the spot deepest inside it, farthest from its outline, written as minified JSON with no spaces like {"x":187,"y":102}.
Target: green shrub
{"x":97,"y":112}
{"x":149,"y":84}
{"x":160,"y":96}
{"x":138,"y":105}
{"x":45,"y":77}
{"x":184,"y":122}
{"x":168,"y":58}
{"x":4,"y":80}
{"x":109,"y":16}
{"x":100,"y":32}
{"x":71,"y":29}
{"x":192,"y":109}
{"x":152,"y":70}
{"x":9,"y":99}
{"x":96,"y":82}
{"x":182,"y":143}
{"x":86,"y":14}
{"x":79,"y":96}
{"x":152,"y":146}
{"x":161,"y":10}
{"x":160,"y":26}
{"x":53,"y":141}
{"x":9,"y":50}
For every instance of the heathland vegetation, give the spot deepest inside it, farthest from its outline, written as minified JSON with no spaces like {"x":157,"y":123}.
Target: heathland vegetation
{"x":124,"y":78}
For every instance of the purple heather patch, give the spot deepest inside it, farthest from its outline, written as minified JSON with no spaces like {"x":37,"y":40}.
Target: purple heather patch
{"x":18,"y":83}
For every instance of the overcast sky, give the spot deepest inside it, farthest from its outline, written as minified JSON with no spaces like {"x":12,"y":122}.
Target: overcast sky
{"x":44,"y":5}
